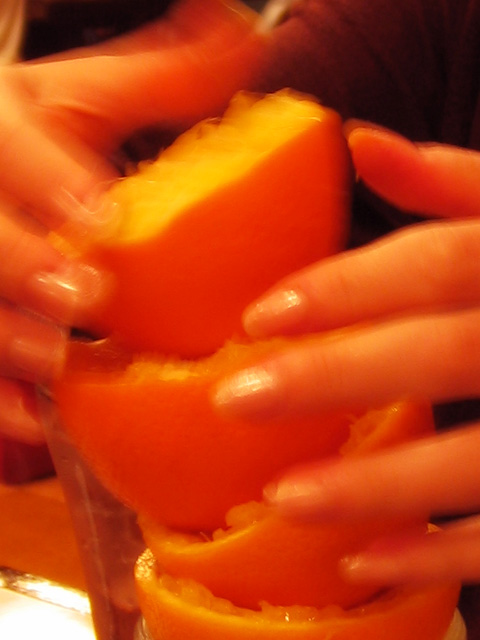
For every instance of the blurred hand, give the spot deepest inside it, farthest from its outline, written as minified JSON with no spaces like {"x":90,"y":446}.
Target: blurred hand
{"x":408,"y":307}
{"x":62,"y":121}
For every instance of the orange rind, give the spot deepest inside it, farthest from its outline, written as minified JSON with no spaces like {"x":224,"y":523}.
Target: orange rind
{"x":149,"y":430}
{"x":270,"y":559}
{"x":282,"y":561}
{"x":180,"y":609}
{"x":230,"y":208}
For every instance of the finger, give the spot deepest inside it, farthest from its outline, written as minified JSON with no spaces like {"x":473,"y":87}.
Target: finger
{"x":35,"y":276}
{"x":408,"y":271}
{"x":30,"y":348}
{"x":19,"y":417}
{"x":44,"y":166}
{"x":70,"y":113}
{"x":434,"y":476}
{"x":429,"y":179}
{"x":157,"y":72}
{"x":447,"y":554}
{"x":433,"y":356}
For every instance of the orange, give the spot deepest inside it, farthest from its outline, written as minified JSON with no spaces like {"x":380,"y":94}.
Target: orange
{"x":264,"y":557}
{"x":151,"y":434}
{"x":181,"y":609}
{"x":272,"y":559}
{"x":224,"y":213}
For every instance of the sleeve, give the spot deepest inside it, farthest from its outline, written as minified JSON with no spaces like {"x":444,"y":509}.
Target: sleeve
{"x":387,"y":61}
{"x":379,"y":60}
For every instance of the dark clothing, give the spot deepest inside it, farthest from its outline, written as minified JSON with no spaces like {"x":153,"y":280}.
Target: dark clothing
{"x":410,"y":65}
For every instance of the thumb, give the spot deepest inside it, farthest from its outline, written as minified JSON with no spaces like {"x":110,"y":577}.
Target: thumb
{"x":182,"y":68}
{"x":172,"y":73}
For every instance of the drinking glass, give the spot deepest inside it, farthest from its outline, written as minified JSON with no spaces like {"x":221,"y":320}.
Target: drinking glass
{"x":110,"y":541}
{"x":107,"y":533}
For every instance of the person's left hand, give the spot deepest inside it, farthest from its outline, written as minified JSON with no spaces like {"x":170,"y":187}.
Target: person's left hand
{"x":408,"y":310}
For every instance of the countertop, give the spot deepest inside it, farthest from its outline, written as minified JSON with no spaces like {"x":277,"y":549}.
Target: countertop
{"x":41,"y":580}
{"x":37,"y":540}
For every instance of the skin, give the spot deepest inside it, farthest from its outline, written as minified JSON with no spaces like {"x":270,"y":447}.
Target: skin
{"x":72,"y":121}
{"x":418,"y":336}
{"x":69,"y":115}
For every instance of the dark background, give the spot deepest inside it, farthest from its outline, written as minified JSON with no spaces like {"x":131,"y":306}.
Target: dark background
{"x":58,"y":25}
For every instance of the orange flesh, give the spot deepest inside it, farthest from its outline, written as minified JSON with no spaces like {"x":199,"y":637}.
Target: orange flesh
{"x":239,"y":203}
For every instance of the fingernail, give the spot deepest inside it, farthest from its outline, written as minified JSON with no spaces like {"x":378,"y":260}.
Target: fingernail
{"x":355,"y":124}
{"x":38,"y":354}
{"x":394,"y":558}
{"x":356,"y":568}
{"x":285,"y":494}
{"x":367,"y":567}
{"x":299,"y":497}
{"x":310,"y":491}
{"x":354,"y":130}
{"x":67,"y":293}
{"x":279,"y":312}
{"x":253,"y":392}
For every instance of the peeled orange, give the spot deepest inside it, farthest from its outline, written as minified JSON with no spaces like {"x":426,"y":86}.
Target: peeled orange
{"x":269,"y":577}
{"x":226,"y":211}
{"x":180,"y":609}
{"x":150,"y":432}
{"x":263,"y":557}
{"x":268,"y":559}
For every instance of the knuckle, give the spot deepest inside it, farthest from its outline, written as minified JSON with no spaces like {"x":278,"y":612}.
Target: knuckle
{"x":327,"y":372}
{"x":460,"y":338}
{"x":335,"y":287}
{"x":448,"y":261}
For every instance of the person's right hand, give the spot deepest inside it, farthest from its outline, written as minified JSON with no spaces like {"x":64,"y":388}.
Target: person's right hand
{"x":62,"y":120}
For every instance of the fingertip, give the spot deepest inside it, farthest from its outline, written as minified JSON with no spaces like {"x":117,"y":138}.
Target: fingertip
{"x":304,"y":493}
{"x":380,"y":568}
{"x":279,"y":313}
{"x":68,"y":293}
{"x":355,"y":130}
{"x":355,"y":568}
{"x":354,"y":126}
{"x":365,"y":568}
{"x":358,"y":130}
{"x":371,"y":144}
{"x":249,"y":393}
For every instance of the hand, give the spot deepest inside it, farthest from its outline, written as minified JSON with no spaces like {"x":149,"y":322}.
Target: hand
{"x":404,"y":313}
{"x":62,"y":122}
